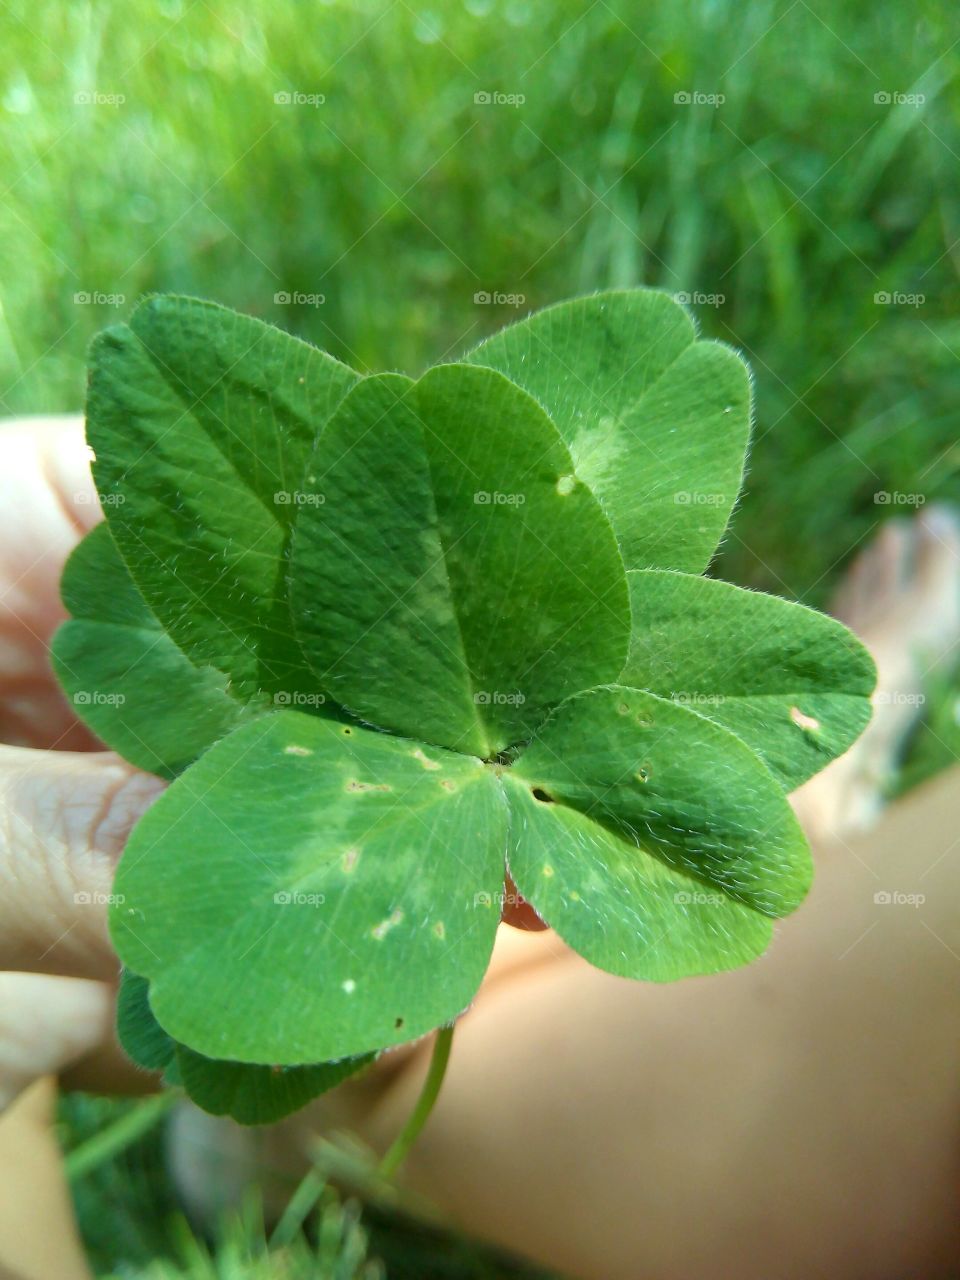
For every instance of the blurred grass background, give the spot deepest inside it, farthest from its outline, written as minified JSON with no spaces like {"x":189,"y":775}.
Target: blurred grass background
{"x":143,"y":147}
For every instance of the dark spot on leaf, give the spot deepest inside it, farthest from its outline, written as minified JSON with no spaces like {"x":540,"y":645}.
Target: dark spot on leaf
{"x":541,"y":795}
{"x":642,"y":774}
{"x":399,"y":1023}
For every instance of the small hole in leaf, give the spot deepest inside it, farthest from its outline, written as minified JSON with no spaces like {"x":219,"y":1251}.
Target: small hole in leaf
{"x":642,"y":774}
{"x":623,"y":709}
{"x":803,"y":721}
{"x":541,"y":795}
{"x":346,"y":731}
{"x":566,"y":485}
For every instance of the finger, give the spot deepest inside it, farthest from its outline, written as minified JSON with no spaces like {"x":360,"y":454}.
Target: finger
{"x":63,"y":1027}
{"x":64,"y":819}
{"x":47,"y":503}
{"x":46,"y":1024}
{"x":38,"y":1234}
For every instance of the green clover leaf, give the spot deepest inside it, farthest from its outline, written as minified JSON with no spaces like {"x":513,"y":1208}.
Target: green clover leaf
{"x":202,"y":421}
{"x":395,"y":640}
{"x":657,"y":422}
{"x":457,"y":581}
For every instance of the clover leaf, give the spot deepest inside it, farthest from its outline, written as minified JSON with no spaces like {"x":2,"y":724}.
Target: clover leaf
{"x":657,"y":422}
{"x":132,"y":684}
{"x":201,"y":421}
{"x":396,"y":640}
{"x":791,"y":682}
{"x":459,"y":580}
{"x":331,"y":889}
{"x":250,"y":1094}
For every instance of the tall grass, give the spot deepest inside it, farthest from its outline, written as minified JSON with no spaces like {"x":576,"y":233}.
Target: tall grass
{"x":399,"y":198}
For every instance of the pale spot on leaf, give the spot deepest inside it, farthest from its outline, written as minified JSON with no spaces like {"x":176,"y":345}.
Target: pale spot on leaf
{"x":350,"y":860}
{"x":424,"y":759}
{"x":803,"y":721}
{"x":566,"y":485}
{"x":381,"y":930}
{"x":349,"y":986}
{"x":294,"y":750}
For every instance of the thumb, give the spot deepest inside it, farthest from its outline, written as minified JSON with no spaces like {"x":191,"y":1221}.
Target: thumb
{"x":64,"y":819}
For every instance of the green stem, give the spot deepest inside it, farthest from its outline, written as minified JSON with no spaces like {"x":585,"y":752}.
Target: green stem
{"x":109,"y":1142}
{"x":411,"y":1131}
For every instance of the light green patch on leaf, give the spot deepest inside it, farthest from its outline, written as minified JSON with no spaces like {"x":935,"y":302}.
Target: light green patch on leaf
{"x":202,"y":421}
{"x":456,"y":583}
{"x":125,"y":677}
{"x":319,"y":886}
{"x":141,"y":1036}
{"x":657,"y":422}
{"x":792,"y":683}
{"x":252,"y":1094}
{"x":654,"y":842}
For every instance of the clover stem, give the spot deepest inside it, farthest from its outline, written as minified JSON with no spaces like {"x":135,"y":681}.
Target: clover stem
{"x":411,"y":1131}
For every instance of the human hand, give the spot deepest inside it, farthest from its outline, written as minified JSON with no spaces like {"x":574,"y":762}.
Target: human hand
{"x":66,"y":806}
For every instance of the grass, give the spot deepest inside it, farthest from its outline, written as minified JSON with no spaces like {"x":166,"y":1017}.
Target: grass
{"x":783,"y":211}
{"x":399,"y":198}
